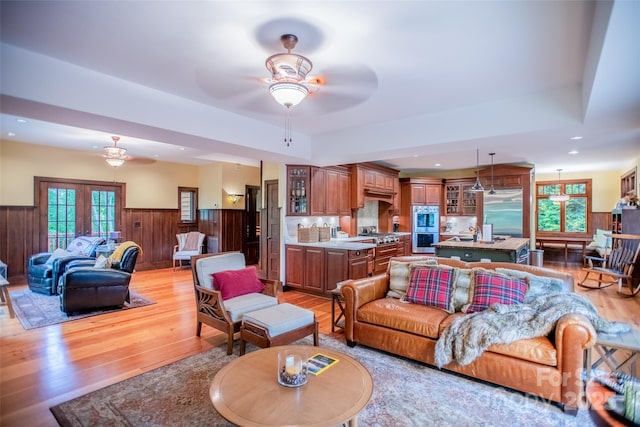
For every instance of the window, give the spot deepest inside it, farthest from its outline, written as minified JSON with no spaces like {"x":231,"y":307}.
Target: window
{"x":188,"y":203}
{"x":571,"y":216}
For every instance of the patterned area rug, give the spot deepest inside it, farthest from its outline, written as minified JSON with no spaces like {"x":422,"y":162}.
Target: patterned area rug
{"x":35,"y":310}
{"x":406,"y":393}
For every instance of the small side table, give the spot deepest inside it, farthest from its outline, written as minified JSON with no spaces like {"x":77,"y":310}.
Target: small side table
{"x":337,"y":300}
{"x":4,"y":292}
{"x":606,"y":345}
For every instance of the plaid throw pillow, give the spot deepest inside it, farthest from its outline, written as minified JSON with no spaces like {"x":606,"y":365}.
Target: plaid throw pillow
{"x":431,"y":286}
{"x":492,"y":288}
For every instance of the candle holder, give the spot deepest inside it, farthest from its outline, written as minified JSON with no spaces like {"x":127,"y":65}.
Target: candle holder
{"x":292,"y":368}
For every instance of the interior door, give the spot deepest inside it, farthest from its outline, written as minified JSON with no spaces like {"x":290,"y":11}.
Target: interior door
{"x":272,"y":231}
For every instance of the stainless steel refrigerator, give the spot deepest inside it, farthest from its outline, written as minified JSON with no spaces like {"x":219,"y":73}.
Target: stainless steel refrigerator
{"x":504,"y":211}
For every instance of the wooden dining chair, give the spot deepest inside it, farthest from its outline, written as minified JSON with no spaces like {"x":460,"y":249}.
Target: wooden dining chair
{"x":615,"y":266}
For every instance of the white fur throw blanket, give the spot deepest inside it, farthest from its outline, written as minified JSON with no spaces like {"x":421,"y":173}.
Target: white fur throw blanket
{"x":468,"y":336}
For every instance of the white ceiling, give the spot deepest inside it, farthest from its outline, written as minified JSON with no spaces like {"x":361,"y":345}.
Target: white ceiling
{"x":405,"y":83}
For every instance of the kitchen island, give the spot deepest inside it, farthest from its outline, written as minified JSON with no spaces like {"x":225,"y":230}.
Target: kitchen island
{"x":514,"y":249}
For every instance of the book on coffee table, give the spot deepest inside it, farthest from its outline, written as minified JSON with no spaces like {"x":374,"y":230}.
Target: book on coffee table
{"x":319,"y":363}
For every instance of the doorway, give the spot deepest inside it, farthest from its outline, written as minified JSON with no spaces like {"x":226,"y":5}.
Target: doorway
{"x":251,"y":241}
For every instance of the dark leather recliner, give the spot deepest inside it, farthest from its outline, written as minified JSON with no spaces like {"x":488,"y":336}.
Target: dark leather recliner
{"x":83,"y":287}
{"x":43,"y":277}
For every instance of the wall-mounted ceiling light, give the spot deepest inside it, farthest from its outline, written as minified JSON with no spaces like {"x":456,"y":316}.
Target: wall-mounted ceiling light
{"x":477,"y":187}
{"x":560,"y":197}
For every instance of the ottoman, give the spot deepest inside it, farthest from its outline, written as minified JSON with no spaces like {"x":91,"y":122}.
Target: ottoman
{"x":277,"y":325}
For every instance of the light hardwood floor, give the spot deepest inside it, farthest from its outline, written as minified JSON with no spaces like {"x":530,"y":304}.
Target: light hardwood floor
{"x":42,"y":367}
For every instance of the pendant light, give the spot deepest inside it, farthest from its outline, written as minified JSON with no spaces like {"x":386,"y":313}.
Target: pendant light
{"x":477,"y":187}
{"x":492,"y":191}
{"x":560,"y":197}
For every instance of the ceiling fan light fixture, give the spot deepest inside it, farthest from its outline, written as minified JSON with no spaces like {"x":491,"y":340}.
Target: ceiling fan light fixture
{"x":288,"y":94}
{"x":115,"y":162}
{"x":477,"y":187}
{"x":115,"y":155}
{"x":561,"y":197}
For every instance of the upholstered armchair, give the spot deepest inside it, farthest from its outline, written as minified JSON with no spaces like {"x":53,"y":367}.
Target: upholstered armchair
{"x":222,"y":303}
{"x":44,"y":269}
{"x":84,"y":287}
{"x":189,"y":244}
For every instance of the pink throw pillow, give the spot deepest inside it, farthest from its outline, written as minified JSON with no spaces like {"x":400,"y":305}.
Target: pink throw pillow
{"x":233,"y":283}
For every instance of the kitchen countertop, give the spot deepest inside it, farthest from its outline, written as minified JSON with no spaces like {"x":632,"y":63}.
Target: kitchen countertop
{"x":511,"y":244}
{"x":349,"y":243}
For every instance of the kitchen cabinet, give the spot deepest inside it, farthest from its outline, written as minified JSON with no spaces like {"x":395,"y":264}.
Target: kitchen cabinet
{"x":384,"y":253}
{"x":403,"y":247}
{"x":318,"y":270}
{"x":318,"y":191}
{"x":297,"y":187}
{"x":371,"y":181}
{"x":425,"y":194}
{"x":459,"y":200}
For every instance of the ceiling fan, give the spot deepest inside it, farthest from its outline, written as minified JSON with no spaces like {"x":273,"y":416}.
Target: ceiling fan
{"x":336,"y":87}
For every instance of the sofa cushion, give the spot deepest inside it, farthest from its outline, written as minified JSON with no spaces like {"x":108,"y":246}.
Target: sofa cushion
{"x":537,"y":350}
{"x":538,"y":285}
{"x":238,"y":306}
{"x":461,"y":288}
{"x":233,"y":283}
{"x":85,"y":245}
{"x":491,"y":288}
{"x":400,"y":273}
{"x":395,"y":314}
{"x":432,"y":286}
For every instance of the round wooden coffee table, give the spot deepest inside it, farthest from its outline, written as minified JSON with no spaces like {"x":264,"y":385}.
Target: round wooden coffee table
{"x":246,"y":391}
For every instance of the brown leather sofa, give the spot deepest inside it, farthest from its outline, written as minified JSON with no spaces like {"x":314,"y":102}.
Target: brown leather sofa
{"x":547,"y":367}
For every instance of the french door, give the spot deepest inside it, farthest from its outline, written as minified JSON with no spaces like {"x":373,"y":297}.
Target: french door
{"x":70,"y":208}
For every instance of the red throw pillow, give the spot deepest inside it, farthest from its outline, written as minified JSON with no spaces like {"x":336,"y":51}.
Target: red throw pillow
{"x":492,"y":288}
{"x":431,"y":286}
{"x":233,"y":283}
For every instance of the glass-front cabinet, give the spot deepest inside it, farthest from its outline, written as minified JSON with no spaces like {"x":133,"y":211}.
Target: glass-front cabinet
{"x":297,"y":190}
{"x":459,"y":200}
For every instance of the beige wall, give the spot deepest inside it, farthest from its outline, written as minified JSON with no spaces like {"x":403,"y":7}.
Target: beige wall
{"x":275,"y":171}
{"x":150,"y":184}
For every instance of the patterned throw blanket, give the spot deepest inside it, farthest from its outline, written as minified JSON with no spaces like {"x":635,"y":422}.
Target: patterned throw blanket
{"x":469,"y":336}
{"x":191,"y":242}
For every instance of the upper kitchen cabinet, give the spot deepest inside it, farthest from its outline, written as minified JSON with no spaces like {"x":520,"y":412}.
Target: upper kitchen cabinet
{"x":318,"y":191}
{"x":298,"y":185}
{"x":506,"y":177}
{"x":330,"y":191}
{"x":422,"y":192}
{"x":458,"y":198}
{"x":371,"y":181}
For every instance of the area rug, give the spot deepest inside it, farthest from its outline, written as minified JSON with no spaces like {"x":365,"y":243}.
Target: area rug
{"x":35,"y":310}
{"x":406,"y":393}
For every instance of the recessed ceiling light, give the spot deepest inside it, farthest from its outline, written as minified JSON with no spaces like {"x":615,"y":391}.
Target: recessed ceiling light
{"x":575,"y":138}
{"x":181,"y":148}
{"x":156,"y":155}
{"x":21,"y":120}
{"x":437,"y":165}
{"x":573,"y":152}
{"x":11,"y":134}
